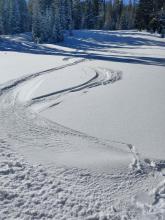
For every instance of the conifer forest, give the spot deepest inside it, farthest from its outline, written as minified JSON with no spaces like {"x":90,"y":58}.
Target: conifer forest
{"x":49,"y":19}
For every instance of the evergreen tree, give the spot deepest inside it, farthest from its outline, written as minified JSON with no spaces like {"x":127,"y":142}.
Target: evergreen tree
{"x":48,"y":20}
{"x":36,"y":18}
{"x":24,"y":16}
{"x":68,"y":16}
{"x":77,"y":14}
{"x":13,"y":16}
{"x":148,"y":15}
{"x":57,"y":32}
{"x":87,"y":21}
{"x":62,"y":14}
{"x":161,"y":22}
{"x":144,"y":14}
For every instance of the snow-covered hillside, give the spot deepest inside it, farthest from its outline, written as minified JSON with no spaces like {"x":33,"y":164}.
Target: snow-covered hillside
{"x":82,"y":127}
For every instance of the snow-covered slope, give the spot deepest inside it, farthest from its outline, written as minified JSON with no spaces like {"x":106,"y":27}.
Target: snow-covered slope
{"x":82,"y":127}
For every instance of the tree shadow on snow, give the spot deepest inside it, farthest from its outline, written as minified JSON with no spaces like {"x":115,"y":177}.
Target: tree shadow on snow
{"x":89,"y":44}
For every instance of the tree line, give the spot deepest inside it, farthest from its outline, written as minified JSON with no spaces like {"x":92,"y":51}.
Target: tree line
{"x":150,"y":16}
{"x":13,"y":16}
{"x":48,"y":19}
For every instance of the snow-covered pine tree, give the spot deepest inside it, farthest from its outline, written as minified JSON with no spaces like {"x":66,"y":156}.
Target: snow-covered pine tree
{"x":48,"y":20}
{"x":46,"y":24}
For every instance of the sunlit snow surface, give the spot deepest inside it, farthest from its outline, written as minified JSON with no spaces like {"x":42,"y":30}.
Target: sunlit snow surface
{"x":82,"y":127}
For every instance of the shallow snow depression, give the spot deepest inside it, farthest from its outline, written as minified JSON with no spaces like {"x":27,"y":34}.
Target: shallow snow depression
{"x":82,"y":130}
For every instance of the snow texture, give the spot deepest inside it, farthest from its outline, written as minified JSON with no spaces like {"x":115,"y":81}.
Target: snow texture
{"x":51,"y":171}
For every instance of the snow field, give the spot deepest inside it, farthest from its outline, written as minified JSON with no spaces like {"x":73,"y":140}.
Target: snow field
{"x":82,"y":134}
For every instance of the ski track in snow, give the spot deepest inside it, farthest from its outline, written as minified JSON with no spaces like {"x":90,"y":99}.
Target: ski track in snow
{"x":101,"y":77}
{"x":65,"y":191}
